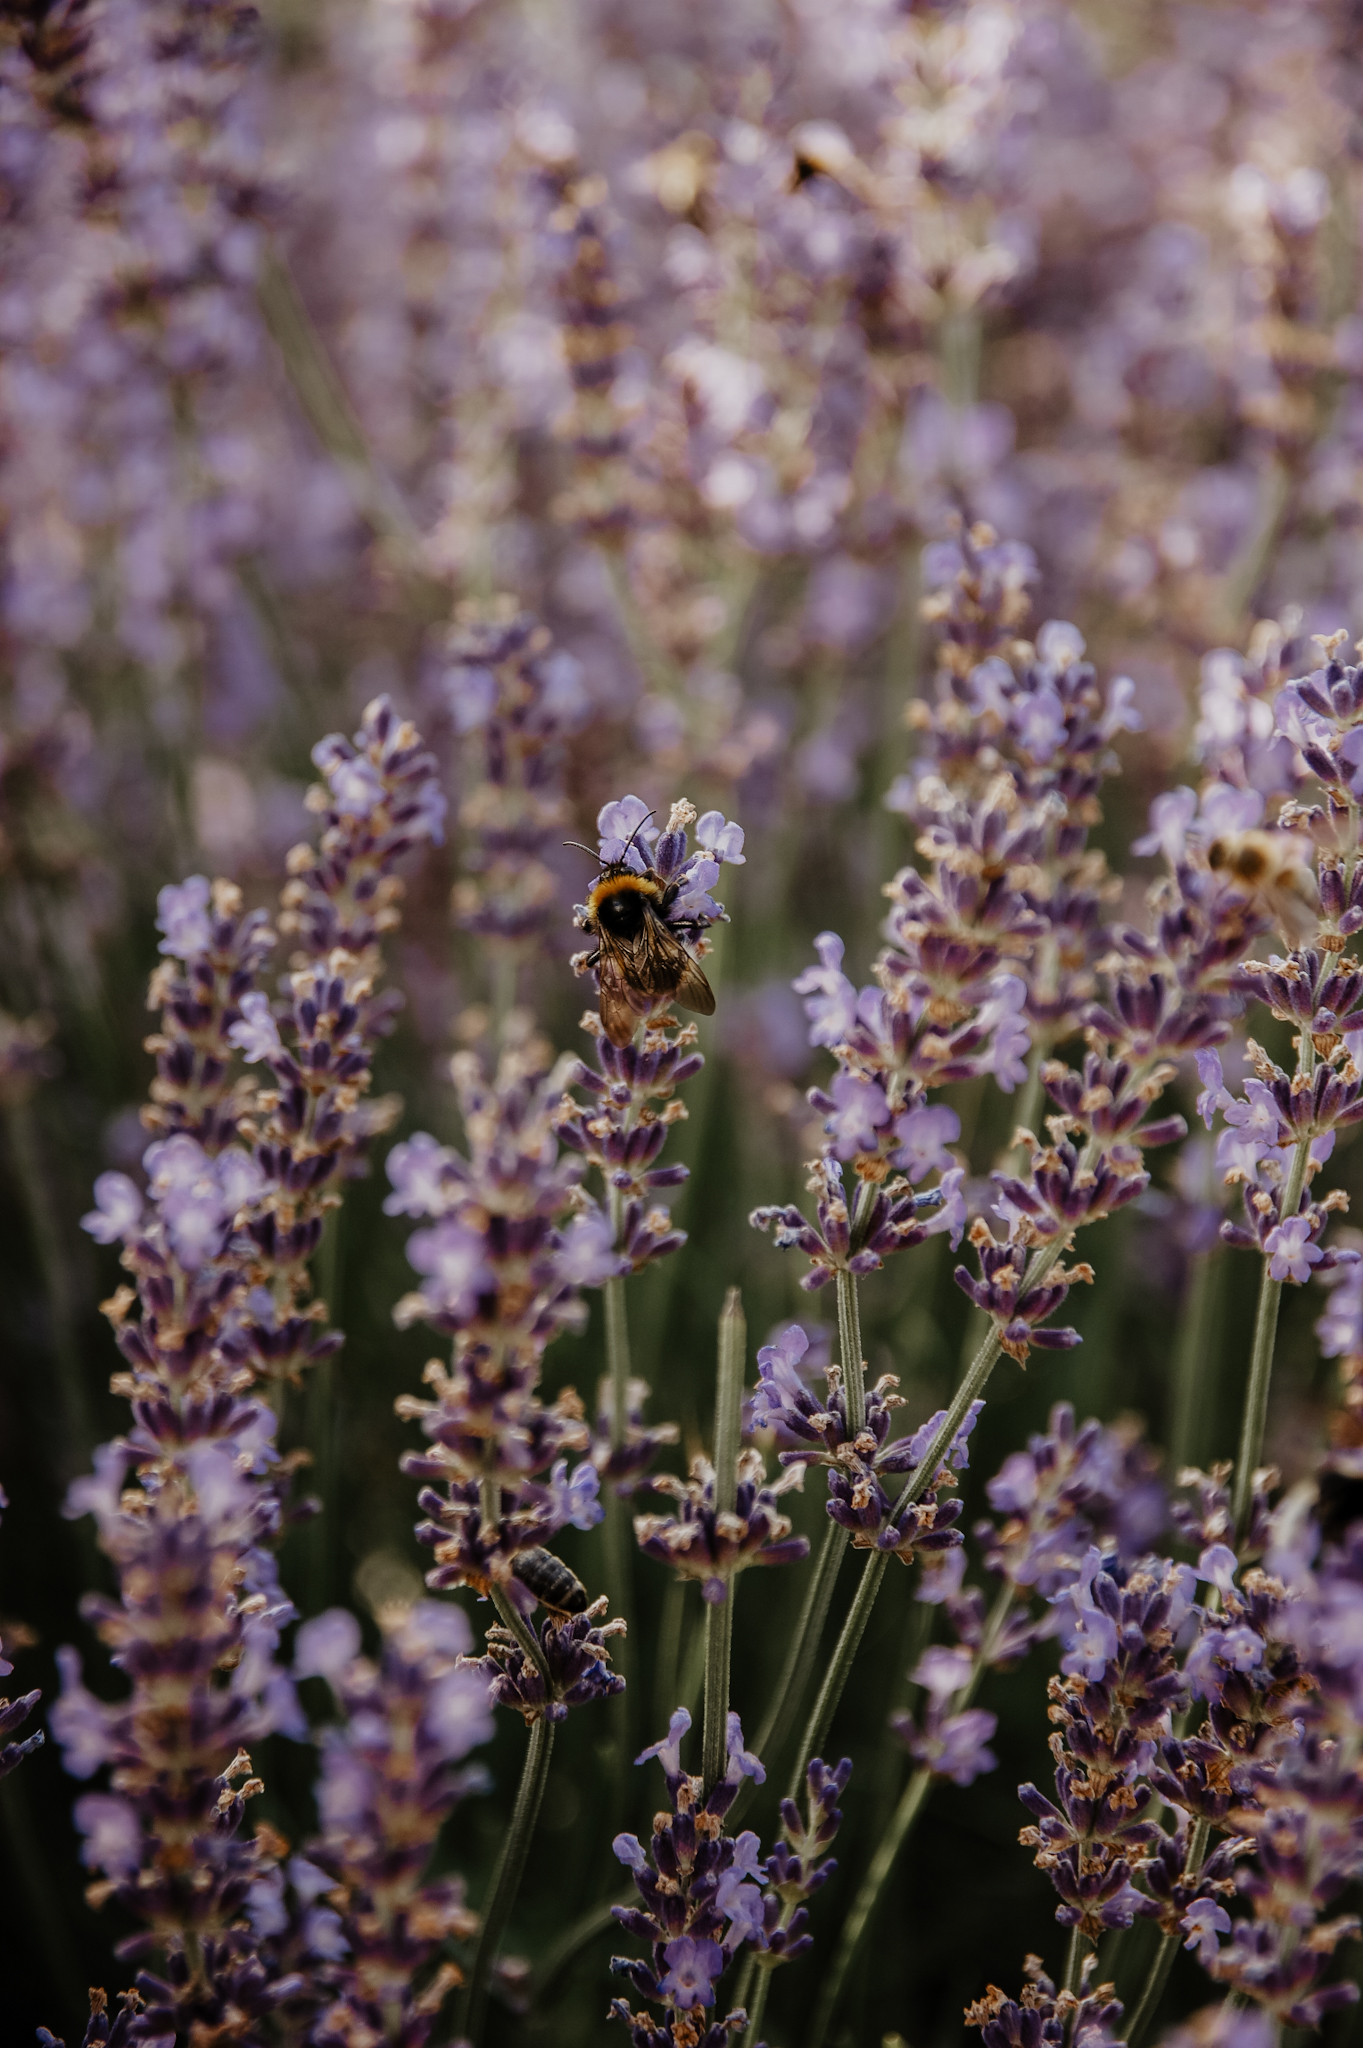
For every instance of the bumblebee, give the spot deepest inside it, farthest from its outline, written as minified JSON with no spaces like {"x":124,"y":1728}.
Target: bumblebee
{"x":550,"y":1580}
{"x":1268,"y":866}
{"x":640,"y":958}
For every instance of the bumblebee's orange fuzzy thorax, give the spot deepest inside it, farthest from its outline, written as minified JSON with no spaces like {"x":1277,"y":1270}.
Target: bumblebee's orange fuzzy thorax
{"x":619,"y":885}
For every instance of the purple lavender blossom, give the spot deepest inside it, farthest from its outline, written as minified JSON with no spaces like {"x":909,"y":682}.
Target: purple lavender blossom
{"x":706,"y":1894}
{"x":386,"y":1788}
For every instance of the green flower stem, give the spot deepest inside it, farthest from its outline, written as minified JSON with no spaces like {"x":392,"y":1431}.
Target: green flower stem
{"x":506,"y":1882}
{"x":322,"y":1424}
{"x":971,"y":1387}
{"x":849,"y":1346}
{"x":1192,"y":1360}
{"x":617,"y":1354}
{"x":1074,"y":1960}
{"x":719,"y":1629}
{"x":756,"y":2005}
{"x":1261,"y":1357}
{"x":1029,"y":1103}
{"x":854,"y":1927}
{"x":719,"y":1615}
{"x":892,"y":1841}
{"x":1168,"y":1948}
{"x":618,"y":1532}
{"x":835,"y":1678}
{"x":804,"y":1644}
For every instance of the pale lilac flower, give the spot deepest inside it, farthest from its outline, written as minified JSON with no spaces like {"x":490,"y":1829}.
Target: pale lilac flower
{"x":1121,"y":714}
{"x":668,"y":1749}
{"x":859,"y":1111}
{"x":959,"y":1748}
{"x":1004,"y":1015}
{"x":454,"y":1263}
{"x":1291,"y":1254}
{"x":112,"y":1831}
{"x":256,"y":1035}
{"x":1039,"y":722}
{"x":1339,"y":1331}
{"x":355,"y":784}
{"x":97,"y":1493}
{"x":1202,"y":1922}
{"x":1171,"y":814}
{"x":723,"y":839}
{"x":741,"y":1905}
{"x":942,"y":1576}
{"x":1090,"y":1635}
{"x":619,"y":826}
{"x":1214,"y":1096}
{"x":79,"y":1721}
{"x":419,"y":1168}
{"x":692,"y":1967}
{"x":831,"y":1004}
{"x":942,"y":1670}
{"x":325,"y":1645}
{"x":458,"y":1715}
{"x":950,"y":1218}
{"x":182,"y":914}
{"x":586,"y":1256}
{"x":575,"y":1500}
{"x":118,"y":1210}
{"x":240,"y":1177}
{"x":924,"y":1134}
{"x":694,"y":903}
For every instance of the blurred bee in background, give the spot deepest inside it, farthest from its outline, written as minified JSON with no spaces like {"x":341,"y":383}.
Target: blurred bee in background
{"x":550,"y":1580}
{"x":641,"y":960}
{"x":1270,"y":868}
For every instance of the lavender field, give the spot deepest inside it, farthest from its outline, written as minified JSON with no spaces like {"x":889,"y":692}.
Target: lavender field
{"x":681,"y":875}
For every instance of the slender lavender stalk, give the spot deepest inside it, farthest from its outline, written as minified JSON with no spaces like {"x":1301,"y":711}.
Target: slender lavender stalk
{"x":911,"y":1803}
{"x":719,"y":1617}
{"x":506,"y":1881}
{"x":1260,"y":1373}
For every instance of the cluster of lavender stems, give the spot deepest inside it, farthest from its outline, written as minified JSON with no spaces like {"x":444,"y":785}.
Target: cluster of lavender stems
{"x":240,"y":1177}
{"x":750,"y":356}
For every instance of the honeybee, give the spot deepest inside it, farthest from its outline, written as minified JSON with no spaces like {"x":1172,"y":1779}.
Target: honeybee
{"x":550,"y":1580}
{"x":1269,"y":867}
{"x":640,"y":958}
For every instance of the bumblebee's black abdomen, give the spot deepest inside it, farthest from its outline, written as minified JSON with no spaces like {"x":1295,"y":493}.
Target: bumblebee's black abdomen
{"x":622,"y":915}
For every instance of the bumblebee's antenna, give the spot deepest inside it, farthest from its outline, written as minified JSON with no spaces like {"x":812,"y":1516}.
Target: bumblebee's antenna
{"x":628,"y":843}
{"x":637,"y":830}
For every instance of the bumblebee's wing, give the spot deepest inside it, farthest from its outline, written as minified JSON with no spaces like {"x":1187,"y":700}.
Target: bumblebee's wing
{"x":619,"y":1016}
{"x":665,"y":968}
{"x":694,"y":992}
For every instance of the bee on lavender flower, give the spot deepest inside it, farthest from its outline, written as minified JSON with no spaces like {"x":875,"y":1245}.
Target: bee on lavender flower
{"x":639,"y":957}
{"x":550,"y":1580}
{"x":1270,"y":868}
